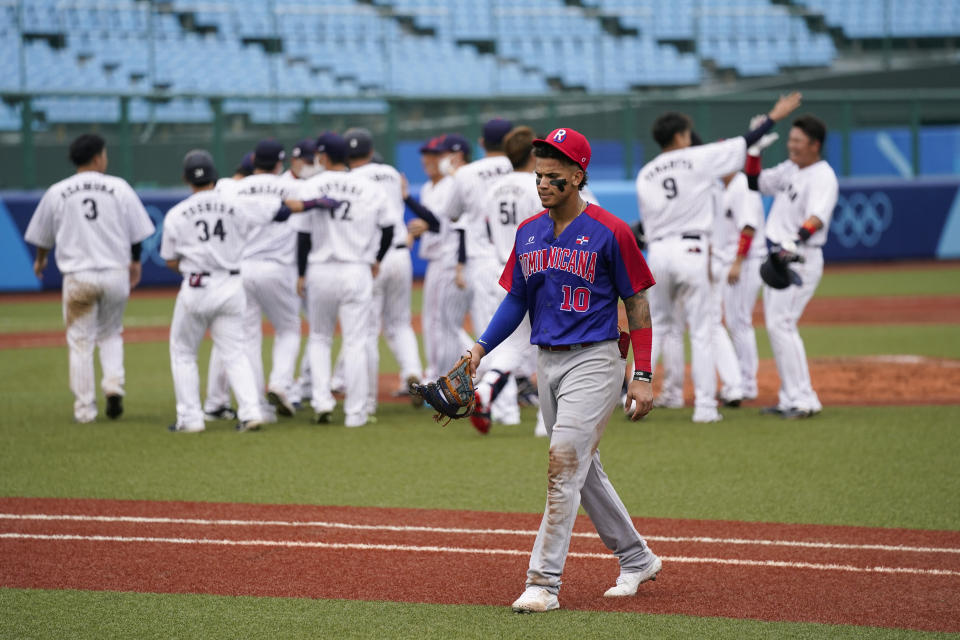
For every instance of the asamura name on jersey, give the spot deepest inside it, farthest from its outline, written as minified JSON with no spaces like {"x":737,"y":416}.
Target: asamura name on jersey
{"x":71,"y":189}
{"x":576,"y":261}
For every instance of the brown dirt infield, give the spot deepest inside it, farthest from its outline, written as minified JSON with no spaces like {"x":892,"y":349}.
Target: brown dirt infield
{"x":892,"y":578}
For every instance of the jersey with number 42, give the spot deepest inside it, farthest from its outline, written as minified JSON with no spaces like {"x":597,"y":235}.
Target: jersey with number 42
{"x":572,"y":283}
{"x":208,"y":230}
{"x":92,"y":219}
{"x":351,"y":231}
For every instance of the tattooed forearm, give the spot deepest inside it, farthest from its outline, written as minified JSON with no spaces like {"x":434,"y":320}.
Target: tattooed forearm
{"x":638,"y":311}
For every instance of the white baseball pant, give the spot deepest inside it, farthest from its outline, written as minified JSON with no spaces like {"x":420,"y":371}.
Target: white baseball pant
{"x":725,"y":357}
{"x":445,"y":307}
{"x":218,"y":305}
{"x":93,"y":305}
{"x":682,"y":292}
{"x":783,"y":308}
{"x":344,"y":291}
{"x":739,"y":299}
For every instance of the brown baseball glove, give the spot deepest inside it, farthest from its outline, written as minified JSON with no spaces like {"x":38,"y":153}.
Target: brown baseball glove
{"x":451,"y":395}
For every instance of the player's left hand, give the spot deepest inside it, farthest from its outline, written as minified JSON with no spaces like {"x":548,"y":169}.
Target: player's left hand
{"x":476,"y":354}
{"x":301,"y":286}
{"x":136,"y":272}
{"x":640,"y":397}
{"x":39,"y":265}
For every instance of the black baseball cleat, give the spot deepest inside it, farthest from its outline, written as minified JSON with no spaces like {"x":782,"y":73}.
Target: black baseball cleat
{"x":731,"y":403}
{"x":220,"y":413}
{"x":772,"y":411}
{"x":114,"y":406}
{"x":249,"y":425}
{"x":324,"y":417}
{"x":794,"y":413}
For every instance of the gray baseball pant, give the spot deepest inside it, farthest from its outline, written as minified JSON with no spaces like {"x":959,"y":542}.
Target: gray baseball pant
{"x":578,"y":391}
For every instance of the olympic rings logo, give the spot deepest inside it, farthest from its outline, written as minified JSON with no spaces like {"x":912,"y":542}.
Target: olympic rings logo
{"x":858,"y":219}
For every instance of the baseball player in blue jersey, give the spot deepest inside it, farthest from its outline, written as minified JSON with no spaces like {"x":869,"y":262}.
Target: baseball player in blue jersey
{"x":570,"y":266}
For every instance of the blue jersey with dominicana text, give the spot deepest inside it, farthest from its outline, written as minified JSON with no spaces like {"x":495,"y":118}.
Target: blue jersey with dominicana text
{"x":572,"y":284}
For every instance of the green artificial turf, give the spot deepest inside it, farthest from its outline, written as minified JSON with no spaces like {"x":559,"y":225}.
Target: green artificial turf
{"x":96,"y":615}
{"x":910,"y":281}
{"x":877,"y":466}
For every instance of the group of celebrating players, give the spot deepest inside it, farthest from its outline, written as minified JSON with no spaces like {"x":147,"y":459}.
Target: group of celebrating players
{"x":245,"y":253}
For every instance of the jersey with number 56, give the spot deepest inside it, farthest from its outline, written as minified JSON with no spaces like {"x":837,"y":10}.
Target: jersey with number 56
{"x":510,"y":200}
{"x":208,"y":230}
{"x":674,"y":190}
{"x":351,"y":231}
{"x":92,"y":218}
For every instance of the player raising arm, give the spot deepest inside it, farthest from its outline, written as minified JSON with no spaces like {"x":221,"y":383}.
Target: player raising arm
{"x":569,"y":267}
{"x":805,"y":191}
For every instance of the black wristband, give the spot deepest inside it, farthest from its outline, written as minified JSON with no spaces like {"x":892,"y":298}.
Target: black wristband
{"x":643,"y":376}
{"x":804,"y":234}
{"x":135,"y":251}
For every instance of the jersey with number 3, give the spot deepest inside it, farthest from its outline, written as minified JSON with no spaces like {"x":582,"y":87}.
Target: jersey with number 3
{"x":572,"y":283}
{"x":92,"y":219}
{"x":674,"y":190}
{"x":351,"y":231}
{"x":208,"y":230}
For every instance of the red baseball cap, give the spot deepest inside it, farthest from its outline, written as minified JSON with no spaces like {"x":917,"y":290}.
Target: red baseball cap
{"x":570,"y":143}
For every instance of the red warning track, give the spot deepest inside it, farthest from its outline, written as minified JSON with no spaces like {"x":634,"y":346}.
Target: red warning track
{"x":804,"y":573}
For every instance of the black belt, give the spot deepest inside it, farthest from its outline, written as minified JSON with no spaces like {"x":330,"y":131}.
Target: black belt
{"x":566,"y":347}
{"x":690,"y":236}
{"x":400,"y":246}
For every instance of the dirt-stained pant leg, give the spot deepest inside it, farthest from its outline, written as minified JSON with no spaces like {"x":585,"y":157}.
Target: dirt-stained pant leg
{"x":578,"y":392}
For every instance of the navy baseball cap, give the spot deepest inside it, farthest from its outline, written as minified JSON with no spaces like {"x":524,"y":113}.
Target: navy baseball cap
{"x":267,"y":154}
{"x":198,"y":167}
{"x":246,"y":164}
{"x":495,"y":130}
{"x":433,"y":145}
{"x":359,"y":142}
{"x":305,"y":150}
{"x":456,"y":142}
{"x":333,"y":145}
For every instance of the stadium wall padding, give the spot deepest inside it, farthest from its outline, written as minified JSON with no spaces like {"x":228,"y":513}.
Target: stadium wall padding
{"x":874,"y":220}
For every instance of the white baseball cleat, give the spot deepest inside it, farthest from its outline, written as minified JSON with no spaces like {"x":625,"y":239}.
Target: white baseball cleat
{"x":627,"y":583}
{"x":182,"y":428}
{"x":705,"y":417}
{"x":536,"y":600}
{"x":249,"y":425}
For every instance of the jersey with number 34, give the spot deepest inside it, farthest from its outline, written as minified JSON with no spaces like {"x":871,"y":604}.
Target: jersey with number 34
{"x":572,"y":283}
{"x":208,"y":230}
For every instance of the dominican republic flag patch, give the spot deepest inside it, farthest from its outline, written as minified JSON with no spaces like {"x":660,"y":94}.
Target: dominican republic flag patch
{"x":583,"y":239}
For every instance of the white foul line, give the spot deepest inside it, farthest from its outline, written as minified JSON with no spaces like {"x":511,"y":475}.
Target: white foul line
{"x":454,"y":530}
{"x":435,"y":549}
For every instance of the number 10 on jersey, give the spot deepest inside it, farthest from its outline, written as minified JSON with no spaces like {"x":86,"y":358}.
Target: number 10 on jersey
{"x":576,"y":299}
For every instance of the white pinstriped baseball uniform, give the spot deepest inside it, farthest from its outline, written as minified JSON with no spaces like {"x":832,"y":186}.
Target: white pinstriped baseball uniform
{"x":207,"y":233}
{"x":445,"y":305}
{"x":391,"y":288}
{"x":799,"y":194}
{"x":740,"y":207}
{"x":90,"y":220}
{"x":467,"y":209}
{"x":344,"y":245}
{"x":674,"y":193}
{"x":269,"y":275}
